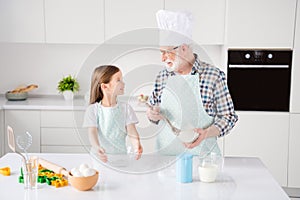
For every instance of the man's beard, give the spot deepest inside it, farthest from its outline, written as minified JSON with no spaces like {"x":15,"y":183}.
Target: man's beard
{"x":175,"y":64}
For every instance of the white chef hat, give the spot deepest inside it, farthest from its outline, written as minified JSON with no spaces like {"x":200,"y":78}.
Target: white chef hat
{"x":175,"y":27}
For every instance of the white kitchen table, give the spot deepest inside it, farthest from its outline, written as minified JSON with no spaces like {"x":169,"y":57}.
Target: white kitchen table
{"x":242,"y":178}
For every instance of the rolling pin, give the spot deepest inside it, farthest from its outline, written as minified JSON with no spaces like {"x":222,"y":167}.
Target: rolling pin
{"x":54,"y":167}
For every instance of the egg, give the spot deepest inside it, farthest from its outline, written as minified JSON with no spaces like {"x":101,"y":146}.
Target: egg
{"x":74,"y":170}
{"x":77,"y":174}
{"x":88,"y":172}
{"x":83,"y":166}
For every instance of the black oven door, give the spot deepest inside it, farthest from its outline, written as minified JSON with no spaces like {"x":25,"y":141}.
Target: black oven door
{"x":260,"y":86}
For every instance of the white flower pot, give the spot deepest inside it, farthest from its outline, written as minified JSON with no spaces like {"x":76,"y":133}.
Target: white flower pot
{"x":68,"y":95}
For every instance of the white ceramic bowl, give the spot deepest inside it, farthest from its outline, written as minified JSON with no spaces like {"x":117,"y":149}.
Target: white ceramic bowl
{"x":16,"y":96}
{"x":188,"y":136}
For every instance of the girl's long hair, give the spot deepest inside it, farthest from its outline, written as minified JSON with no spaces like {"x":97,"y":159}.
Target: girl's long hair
{"x":101,"y":74}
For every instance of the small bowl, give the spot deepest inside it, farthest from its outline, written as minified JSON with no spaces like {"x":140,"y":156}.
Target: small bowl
{"x":83,"y":183}
{"x":188,"y":136}
{"x":16,"y":96}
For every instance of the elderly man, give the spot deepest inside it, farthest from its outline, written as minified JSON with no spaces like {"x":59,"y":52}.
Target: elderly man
{"x":213,"y":114}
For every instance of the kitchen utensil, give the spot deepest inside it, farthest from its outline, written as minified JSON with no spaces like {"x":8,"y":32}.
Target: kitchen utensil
{"x":11,"y":142}
{"x":24,"y":142}
{"x":54,"y":167}
{"x":30,"y":173}
{"x":175,"y":130}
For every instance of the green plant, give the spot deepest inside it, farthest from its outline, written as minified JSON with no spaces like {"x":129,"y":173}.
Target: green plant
{"x":68,"y":83}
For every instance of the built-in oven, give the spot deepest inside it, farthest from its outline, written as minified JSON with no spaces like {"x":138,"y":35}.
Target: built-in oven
{"x":259,"y":80}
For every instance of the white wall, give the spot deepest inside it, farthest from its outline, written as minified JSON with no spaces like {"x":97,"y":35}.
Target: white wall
{"x":39,"y":64}
{"x":45,"y":64}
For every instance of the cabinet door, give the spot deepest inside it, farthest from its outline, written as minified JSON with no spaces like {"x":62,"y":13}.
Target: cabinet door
{"x":209,"y":18}
{"x":74,"y":21}
{"x":123,"y":17}
{"x":61,"y":119}
{"x":22,"y":21}
{"x":22,"y":121}
{"x":295,"y":87}
{"x":294,"y":152}
{"x":263,"y":135}
{"x":1,"y":133}
{"x":257,"y":23}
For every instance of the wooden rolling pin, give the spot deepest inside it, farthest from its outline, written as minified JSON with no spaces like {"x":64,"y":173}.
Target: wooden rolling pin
{"x":54,"y":167}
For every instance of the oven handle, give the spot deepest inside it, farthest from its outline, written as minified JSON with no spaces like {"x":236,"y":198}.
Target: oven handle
{"x":258,"y":66}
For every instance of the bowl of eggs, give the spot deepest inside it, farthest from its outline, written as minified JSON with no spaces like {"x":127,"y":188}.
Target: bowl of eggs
{"x":83,"y":177}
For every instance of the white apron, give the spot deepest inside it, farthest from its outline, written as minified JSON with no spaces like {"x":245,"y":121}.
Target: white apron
{"x":112,"y":129}
{"x":181,"y":103}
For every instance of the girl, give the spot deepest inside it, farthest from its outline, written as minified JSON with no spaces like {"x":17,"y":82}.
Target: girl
{"x":107,"y":120}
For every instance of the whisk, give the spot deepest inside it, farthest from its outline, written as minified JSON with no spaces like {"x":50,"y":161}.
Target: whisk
{"x":24,"y":141}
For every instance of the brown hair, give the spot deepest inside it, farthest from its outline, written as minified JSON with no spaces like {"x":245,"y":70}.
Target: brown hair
{"x":101,"y":74}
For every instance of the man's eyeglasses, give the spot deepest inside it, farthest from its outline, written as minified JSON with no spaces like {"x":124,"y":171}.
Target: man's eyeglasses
{"x":168,"y":51}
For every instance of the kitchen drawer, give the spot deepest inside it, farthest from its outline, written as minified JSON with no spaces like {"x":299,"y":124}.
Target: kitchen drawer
{"x":64,"y":149}
{"x":66,"y":119}
{"x":22,"y":121}
{"x":64,"y":136}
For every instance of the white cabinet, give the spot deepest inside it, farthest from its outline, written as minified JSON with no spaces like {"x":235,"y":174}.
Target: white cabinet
{"x":209,"y":18}
{"x":61,"y":132}
{"x":263,"y":135}
{"x":1,"y":133}
{"x":22,"y":21}
{"x":259,"y":24}
{"x":74,"y":21}
{"x":294,"y":152}
{"x":295,"y":86}
{"x":123,"y":17}
{"x":22,"y":121}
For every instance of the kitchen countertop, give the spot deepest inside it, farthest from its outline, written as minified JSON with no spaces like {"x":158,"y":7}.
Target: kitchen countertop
{"x":53,"y":103}
{"x":242,"y":178}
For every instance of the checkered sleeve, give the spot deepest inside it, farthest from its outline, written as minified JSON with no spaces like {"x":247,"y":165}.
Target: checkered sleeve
{"x":226,"y":117}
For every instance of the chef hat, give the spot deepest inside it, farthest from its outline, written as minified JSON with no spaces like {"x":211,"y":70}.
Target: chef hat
{"x":175,"y":27}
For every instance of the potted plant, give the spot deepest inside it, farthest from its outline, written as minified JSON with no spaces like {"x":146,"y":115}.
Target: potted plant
{"x":67,"y":86}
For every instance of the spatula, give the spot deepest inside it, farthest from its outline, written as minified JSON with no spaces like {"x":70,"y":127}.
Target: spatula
{"x":11,"y":142}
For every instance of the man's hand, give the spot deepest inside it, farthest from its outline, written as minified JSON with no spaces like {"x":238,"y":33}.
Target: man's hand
{"x":211,"y":131}
{"x":153,"y":113}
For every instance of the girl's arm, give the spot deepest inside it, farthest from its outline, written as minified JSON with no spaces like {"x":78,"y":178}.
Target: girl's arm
{"x":94,"y":141}
{"x":135,"y":140}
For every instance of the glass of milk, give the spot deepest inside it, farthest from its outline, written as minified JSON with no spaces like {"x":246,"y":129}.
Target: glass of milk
{"x":209,"y":167}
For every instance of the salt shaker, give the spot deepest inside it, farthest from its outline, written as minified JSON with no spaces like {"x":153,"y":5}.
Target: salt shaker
{"x":184,"y":168}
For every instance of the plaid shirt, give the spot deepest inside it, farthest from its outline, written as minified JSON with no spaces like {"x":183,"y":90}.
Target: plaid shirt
{"x":215,"y":95}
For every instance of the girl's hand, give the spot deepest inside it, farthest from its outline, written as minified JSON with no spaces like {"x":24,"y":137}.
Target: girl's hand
{"x":138,"y":152}
{"x":101,"y":153}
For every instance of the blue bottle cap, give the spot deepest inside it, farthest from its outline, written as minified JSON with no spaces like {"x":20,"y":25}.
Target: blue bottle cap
{"x":185,"y":156}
